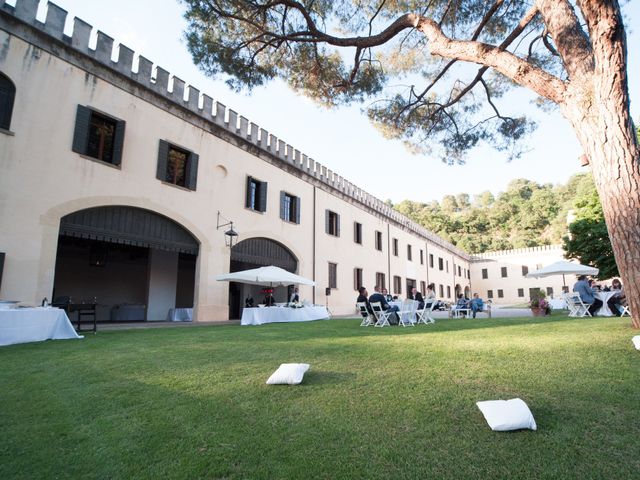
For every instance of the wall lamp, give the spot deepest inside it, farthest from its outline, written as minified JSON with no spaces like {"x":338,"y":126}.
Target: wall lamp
{"x":230,"y":235}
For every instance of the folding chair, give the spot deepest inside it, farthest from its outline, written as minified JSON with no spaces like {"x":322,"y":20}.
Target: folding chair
{"x":367,"y":318}
{"x":407,"y":313}
{"x":577,"y":308}
{"x":625,"y":311}
{"x":382,"y":315}
{"x":424,"y":315}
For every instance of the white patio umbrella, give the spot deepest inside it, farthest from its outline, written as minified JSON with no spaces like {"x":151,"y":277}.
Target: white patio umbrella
{"x":273,"y":276}
{"x":563,"y":268}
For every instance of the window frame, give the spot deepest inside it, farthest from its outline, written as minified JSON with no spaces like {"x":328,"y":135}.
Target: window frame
{"x":258,"y":201}
{"x":357,"y":278}
{"x":289,"y":204}
{"x":378,"y":240}
{"x":191,"y":166}
{"x":82,"y":132}
{"x":332,"y":223}
{"x":357,"y":233}
{"x":332,"y":275}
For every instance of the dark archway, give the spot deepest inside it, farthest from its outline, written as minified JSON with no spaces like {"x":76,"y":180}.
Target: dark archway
{"x":136,"y":263}
{"x":253,"y":253}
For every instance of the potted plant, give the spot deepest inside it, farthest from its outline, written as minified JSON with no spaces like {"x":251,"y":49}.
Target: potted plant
{"x":538,"y":304}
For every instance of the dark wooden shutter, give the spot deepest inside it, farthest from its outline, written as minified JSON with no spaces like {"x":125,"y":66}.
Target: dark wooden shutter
{"x":81,"y":132}
{"x":118,"y":141}
{"x":7,"y":96}
{"x":192,"y":171}
{"x":337,"y":225}
{"x":163,"y":156}
{"x":247,"y":196}
{"x":297,"y":200}
{"x":262,"y":191}
{"x":326,"y":221}
{"x":283,"y":197}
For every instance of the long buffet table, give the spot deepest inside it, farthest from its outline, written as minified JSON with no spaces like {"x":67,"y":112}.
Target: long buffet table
{"x":258,"y":316}
{"x":23,"y":325}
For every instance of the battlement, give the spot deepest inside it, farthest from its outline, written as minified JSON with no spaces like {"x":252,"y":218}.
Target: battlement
{"x":172,"y":88}
{"x":516,"y":251}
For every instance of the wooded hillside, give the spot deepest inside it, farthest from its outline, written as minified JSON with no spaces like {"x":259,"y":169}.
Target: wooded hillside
{"x":528,"y":214}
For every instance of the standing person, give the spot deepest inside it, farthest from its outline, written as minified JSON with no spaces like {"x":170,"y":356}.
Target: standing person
{"x":617,"y":298}
{"x":477,"y":304}
{"x":585,"y":291}
{"x":417,"y":296}
{"x":378,"y":297}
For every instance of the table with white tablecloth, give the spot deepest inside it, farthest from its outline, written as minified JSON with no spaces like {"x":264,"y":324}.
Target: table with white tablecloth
{"x":605,"y":311}
{"x":558,"y":303}
{"x":23,"y":325}
{"x":258,"y":316}
{"x":180,"y":315}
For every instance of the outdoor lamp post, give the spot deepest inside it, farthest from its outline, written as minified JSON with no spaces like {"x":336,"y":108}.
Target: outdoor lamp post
{"x":230,"y":235}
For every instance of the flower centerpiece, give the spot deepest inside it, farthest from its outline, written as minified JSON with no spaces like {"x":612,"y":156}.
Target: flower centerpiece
{"x":538,"y":304}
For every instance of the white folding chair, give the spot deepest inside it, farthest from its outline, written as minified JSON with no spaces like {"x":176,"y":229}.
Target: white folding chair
{"x":382,"y":315}
{"x":625,"y":311}
{"x":367,"y":318}
{"x":407,"y":313}
{"x":424,"y":315}
{"x":580,"y":309}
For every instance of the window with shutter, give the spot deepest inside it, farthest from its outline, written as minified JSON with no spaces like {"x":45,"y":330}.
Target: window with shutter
{"x":256,"y":198}
{"x":98,"y":136}
{"x":177,"y":166}
{"x":7,"y":97}
{"x":289,"y":207}
{"x":332,"y":223}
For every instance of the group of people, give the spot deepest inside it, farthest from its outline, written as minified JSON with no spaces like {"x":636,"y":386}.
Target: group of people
{"x":587,"y":289}
{"x":270,"y":301}
{"x":475,"y":304}
{"x":381,"y":295}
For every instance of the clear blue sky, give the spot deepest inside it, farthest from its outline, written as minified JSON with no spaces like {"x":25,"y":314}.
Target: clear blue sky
{"x":342,"y":139}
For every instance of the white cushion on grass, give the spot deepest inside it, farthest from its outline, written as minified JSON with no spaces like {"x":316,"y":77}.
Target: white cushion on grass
{"x":636,"y":342}
{"x":288,"y":374}
{"x":505,"y":415}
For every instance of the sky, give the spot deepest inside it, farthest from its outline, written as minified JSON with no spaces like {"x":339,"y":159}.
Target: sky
{"x":342,"y":139}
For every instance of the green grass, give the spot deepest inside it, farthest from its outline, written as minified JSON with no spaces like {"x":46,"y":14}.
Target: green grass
{"x":377,"y":403}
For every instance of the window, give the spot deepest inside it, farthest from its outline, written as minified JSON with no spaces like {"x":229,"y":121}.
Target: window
{"x":332,"y":223}
{"x":395,"y":247}
{"x":381,"y":280}
{"x":431,"y":260}
{"x":177,"y":166}
{"x":409,"y":256}
{"x":421,"y":257}
{"x":440,"y":263}
{"x":447,"y":266}
{"x":500,"y":293}
{"x":256,"y":199}
{"x":423,"y":288}
{"x":289,"y":207}
{"x":357,"y":232}
{"x":98,"y":136}
{"x":441,"y":289}
{"x":378,"y":240}
{"x":525,"y":270}
{"x":503,"y":272}
{"x":357,"y":278}
{"x":485,"y":273}
{"x":521,"y":292}
{"x":549,"y":290}
{"x":7,"y":96}
{"x":448,"y":291}
{"x":397,"y":285}
{"x":489,"y":293}
{"x":333,"y":275}
{"x":459,"y":271}
{"x":410,"y":282}
{"x":565,"y":289}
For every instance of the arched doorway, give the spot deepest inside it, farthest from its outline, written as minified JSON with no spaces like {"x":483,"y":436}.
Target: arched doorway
{"x":458,"y":289}
{"x":137,"y":264}
{"x":253,"y":253}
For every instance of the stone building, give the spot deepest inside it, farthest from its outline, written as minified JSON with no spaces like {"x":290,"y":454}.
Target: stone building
{"x":116,"y":177}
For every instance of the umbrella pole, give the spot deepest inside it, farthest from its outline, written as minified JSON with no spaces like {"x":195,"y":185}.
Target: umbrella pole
{"x":564,"y":284}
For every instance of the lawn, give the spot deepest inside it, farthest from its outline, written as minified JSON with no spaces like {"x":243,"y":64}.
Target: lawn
{"x":377,"y":403}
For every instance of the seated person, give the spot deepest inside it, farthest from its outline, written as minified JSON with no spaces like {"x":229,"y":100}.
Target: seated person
{"x":477,"y":304}
{"x":585,"y":291}
{"x":379,"y":297}
{"x":417,"y":296}
{"x":461,"y":304}
{"x":386,"y":295}
{"x":363,"y":297}
{"x":430,"y":297}
{"x":269,"y":301}
{"x":617,"y":299}
{"x":295,"y":297}
{"x":248,"y":302}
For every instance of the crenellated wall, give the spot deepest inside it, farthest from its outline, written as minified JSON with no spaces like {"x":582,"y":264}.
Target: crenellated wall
{"x":171,"y":88}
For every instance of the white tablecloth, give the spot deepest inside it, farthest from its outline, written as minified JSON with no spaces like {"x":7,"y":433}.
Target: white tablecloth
{"x":604,"y":311}
{"x":23,"y":325}
{"x":258,"y":316}
{"x":557,"y":303}
{"x":180,"y":315}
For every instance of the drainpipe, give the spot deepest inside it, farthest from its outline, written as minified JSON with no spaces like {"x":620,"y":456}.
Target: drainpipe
{"x":388,"y":257}
{"x":313,"y":245}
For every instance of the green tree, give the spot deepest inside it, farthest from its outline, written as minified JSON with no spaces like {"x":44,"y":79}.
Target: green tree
{"x":588,"y":239}
{"x":344,"y":51}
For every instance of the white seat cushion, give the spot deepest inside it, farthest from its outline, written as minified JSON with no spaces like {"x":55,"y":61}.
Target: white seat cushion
{"x":505,"y":415}
{"x":636,"y":342}
{"x":288,"y":374}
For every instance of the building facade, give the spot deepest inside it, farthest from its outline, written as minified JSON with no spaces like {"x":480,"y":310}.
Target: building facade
{"x":116,"y":177}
